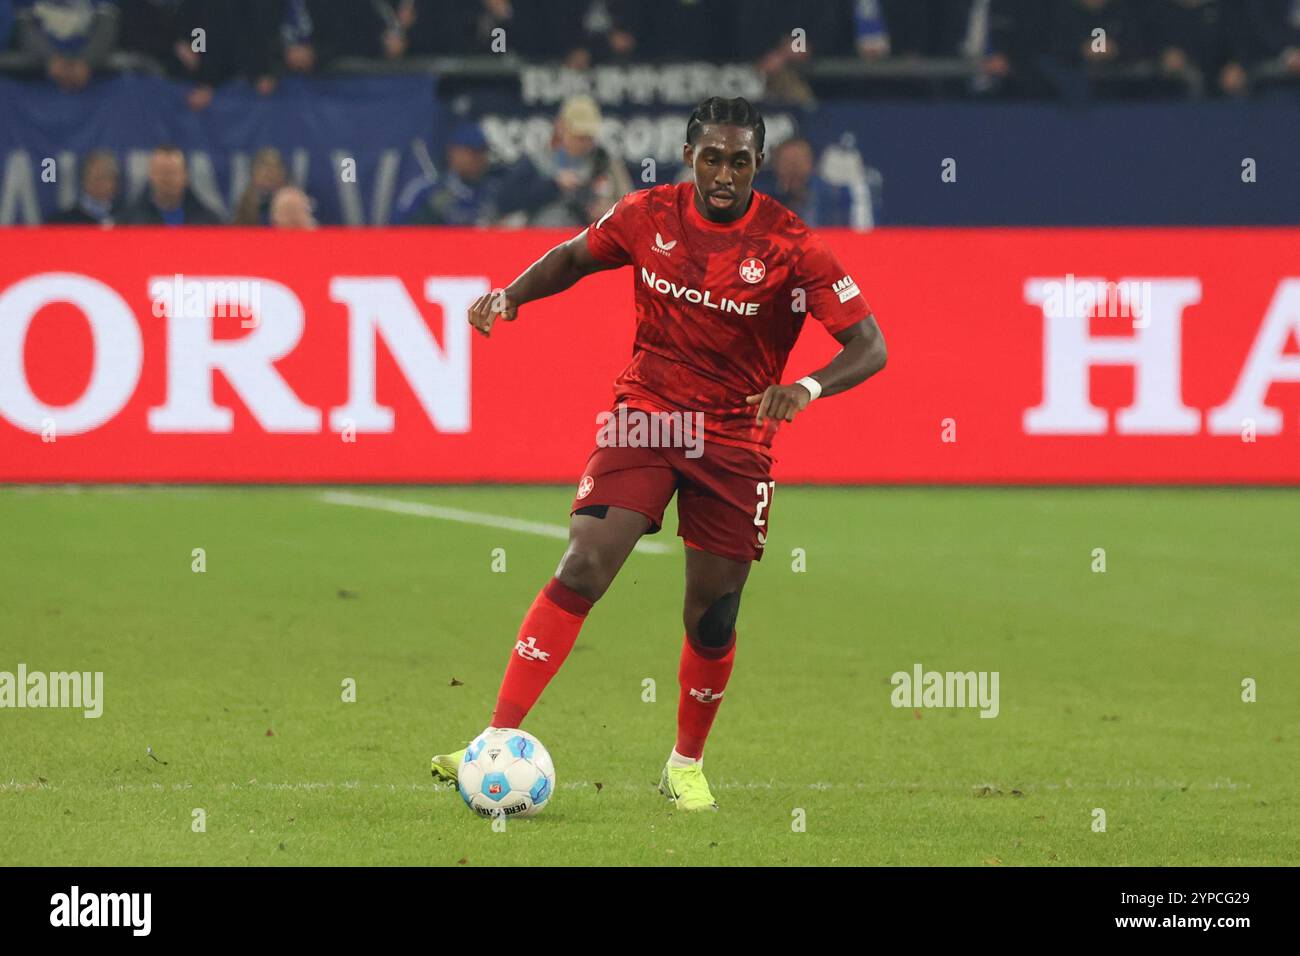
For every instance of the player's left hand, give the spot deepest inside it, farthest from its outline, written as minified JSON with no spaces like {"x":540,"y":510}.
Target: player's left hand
{"x":780,"y":401}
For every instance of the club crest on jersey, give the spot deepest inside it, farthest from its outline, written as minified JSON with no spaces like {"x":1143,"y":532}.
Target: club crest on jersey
{"x":752,"y":270}
{"x":585,"y":486}
{"x":663,"y":248}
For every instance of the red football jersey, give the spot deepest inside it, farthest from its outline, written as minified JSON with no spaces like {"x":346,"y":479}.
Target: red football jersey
{"x":718,"y":305}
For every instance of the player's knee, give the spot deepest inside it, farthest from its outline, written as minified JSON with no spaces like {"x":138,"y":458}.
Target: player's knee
{"x":718,"y":622}
{"x":583,"y":570}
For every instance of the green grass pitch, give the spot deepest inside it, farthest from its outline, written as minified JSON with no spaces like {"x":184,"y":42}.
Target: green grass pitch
{"x":1119,"y":691}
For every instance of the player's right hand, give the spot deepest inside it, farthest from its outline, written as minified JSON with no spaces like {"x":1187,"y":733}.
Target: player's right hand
{"x":489,"y":307}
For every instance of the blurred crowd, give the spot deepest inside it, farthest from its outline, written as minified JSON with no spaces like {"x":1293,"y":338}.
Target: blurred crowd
{"x":1021,"y":46}
{"x":169,"y":200}
{"x":1030,"y":48}
{"x":1049,"y":47}
{"x":569,"y":186}
{"x":574,"y":182}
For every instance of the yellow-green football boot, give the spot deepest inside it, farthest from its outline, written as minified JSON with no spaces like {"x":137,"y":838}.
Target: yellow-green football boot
{"x":687,"y":788}
{"x":445,"y":766}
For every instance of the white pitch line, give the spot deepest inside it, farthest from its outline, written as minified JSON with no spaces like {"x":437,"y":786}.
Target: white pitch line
{"x":422,"y":510}
{"x":954,"y":787}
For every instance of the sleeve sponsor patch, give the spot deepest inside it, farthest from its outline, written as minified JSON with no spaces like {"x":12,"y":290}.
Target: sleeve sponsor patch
{"x":845,"y":288}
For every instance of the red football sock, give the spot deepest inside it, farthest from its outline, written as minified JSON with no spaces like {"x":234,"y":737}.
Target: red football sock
{"x":703,"y":677}
{"x":545,"y":638}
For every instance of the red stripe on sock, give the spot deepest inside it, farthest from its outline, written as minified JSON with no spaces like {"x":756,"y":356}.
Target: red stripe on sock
{"x":566,"y":598}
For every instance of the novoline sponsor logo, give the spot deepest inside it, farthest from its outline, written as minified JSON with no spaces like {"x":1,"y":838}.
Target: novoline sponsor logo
{"x":705,"y":298}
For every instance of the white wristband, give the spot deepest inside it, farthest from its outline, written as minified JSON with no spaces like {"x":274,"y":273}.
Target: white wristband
{"x":814,"y":387}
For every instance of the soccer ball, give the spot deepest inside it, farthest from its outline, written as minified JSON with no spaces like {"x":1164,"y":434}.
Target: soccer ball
{"x":506,"y":772}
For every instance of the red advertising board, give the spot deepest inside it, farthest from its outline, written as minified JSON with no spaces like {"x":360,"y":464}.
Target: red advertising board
{"x":1015,"y":355}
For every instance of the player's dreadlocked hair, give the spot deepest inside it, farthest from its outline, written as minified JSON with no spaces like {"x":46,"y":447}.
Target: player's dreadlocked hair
{"x":735,"y":112}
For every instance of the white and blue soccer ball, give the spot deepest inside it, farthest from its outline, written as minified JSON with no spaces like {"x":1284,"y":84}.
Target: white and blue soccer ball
{"x":506,"y":772}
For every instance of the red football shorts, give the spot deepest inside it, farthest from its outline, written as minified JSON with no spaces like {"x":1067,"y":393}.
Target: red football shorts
{"x":723,"y":495}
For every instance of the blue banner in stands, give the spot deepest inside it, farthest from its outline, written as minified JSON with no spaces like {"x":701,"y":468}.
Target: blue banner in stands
{"x":1225,"y":163}
{"x":349,"y":141}
{"x":1038,"y":164}
{"x":360,"y":144}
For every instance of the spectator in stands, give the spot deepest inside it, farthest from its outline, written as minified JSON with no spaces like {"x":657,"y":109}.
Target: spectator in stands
{"x":1268,"y":33}
{"x":316,"y":32}
{"x":1056,"y":47}
{"x":97,"y":204}
{"x":291,"y":208}
{"x":217,"y":40}
{"x":468,"y":193}
{"x":300,"y":34}
{"x":69,"y":39}
{"x":1076,"y":21}
{"x":790,"y":178}
{"x":668,"y":30}
{"x":1201,"y":35}
{"x":577,"y":180}
{"x":779,"y":37}
{"x":1016,"y":57}
{"x":149,"y":29}
{"x":1262,"y":34}
{"x":603,"y":39}
{"x":552,"y":30}
{"x":267,"y":176}
{"x":581,"y":33}
{"x":491,"y":16}
{"x":870,"y":33}
{"x":398,"y":29}
{"x":168,"y":200}
{"x":930,"y":28}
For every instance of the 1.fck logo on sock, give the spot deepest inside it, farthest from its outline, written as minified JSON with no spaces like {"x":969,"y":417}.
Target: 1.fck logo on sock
{"x":529,"y":651}
{"x":706,"y":696}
